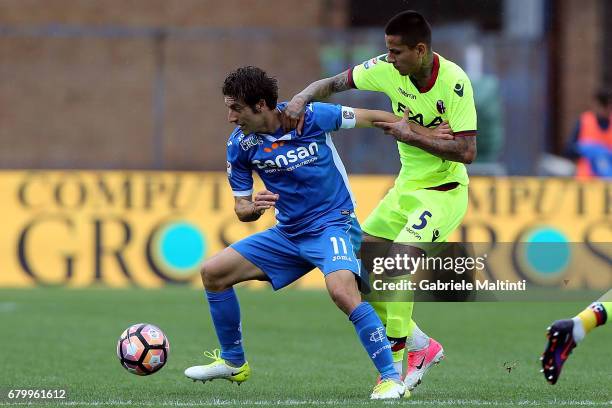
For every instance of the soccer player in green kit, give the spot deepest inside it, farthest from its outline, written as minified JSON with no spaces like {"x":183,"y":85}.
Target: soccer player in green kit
{"x":430,"y":195}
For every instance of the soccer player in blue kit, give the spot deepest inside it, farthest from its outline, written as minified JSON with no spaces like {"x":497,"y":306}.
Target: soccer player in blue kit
{"x":307,"y":185}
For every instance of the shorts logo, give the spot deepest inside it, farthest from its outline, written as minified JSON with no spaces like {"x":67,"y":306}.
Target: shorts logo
{"x":414,"y":233}
{"x":440,"y":107}
{"x":342,"y":258}
{"x":435,"y":235}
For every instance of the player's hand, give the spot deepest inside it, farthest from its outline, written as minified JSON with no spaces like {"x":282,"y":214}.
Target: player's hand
{"x":264,"y":200}
{"x":399,"y":130}
{"x":292,"y":116}
{"x":443,"y":131}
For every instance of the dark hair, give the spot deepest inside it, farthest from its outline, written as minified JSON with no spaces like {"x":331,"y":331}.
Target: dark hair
{"x":250,"y":85}
{"x":604,"y":96}
{"x":411,"y":26}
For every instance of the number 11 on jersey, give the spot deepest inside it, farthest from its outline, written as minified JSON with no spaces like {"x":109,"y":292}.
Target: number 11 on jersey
{"x":334,"y":241}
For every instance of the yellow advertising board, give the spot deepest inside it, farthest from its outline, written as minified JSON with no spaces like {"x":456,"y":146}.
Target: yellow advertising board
{"x":120,"y":228}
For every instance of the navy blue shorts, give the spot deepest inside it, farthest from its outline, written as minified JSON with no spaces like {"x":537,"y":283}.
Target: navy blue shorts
{"x":286,"y":258}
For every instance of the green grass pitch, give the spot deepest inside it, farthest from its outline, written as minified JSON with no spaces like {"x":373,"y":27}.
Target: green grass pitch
{"x":303,"y":351}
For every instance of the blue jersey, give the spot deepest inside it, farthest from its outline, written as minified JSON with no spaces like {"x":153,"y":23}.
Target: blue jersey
{"x":304,"y":170}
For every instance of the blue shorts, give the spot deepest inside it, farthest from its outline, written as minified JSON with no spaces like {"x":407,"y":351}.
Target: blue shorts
{"x":285,"y":258}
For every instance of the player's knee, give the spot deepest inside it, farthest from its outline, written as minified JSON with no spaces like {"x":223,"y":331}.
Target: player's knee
{"x":211,"y":276}
{"x":344,"y":298}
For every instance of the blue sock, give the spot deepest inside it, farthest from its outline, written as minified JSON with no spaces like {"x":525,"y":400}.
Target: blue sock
{"x":225,"y":313}
{"x":374,"y":339}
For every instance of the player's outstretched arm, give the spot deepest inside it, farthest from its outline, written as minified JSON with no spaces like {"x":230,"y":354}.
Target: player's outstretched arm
{"x":460,"y":149}
{"x":249,"y":210}
{"x":293,"y":115}
{"x":367,"y":117}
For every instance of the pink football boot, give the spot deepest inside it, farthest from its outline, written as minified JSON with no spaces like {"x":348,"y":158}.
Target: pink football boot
{"x":420,"y":361}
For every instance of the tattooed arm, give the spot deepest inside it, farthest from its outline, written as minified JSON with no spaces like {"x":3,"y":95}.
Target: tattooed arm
{"x":324,"y":88}
{"x":460,"y":148}
{"x":293,"y":115}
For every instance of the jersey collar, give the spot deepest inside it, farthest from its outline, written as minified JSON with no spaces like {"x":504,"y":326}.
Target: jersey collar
{"x":286,"y":136}
{"x":434,"y":75}
{"x":279,"y":134}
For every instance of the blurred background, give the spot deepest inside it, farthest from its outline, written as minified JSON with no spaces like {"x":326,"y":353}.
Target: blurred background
{"x":135,"y":84}
{"x":112,"y":175}
{"x":92,"y":92}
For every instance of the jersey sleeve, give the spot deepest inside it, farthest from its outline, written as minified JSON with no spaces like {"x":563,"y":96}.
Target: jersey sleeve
{"x":371,"y":75}
{"x":462,"y":110}
{"x":239,"y":173}
{"x":329,"y":117}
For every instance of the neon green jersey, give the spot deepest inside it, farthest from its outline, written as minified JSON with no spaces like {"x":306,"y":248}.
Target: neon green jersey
{"x":448,"y":97}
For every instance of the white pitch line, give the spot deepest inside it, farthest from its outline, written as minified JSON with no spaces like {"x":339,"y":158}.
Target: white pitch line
{"x":296,"y":402}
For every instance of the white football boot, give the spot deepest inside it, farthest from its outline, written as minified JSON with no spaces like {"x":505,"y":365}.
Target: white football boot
{"x":389,"y":389}
{"x":218,"y":369}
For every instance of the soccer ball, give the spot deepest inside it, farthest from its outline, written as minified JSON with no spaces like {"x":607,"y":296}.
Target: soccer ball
{"x":143,"y":349}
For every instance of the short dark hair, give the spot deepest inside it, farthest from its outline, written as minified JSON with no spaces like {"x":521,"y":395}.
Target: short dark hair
{"x":250,"y":85}
{"x":604,"y":96}
{"x":411,"y":26}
